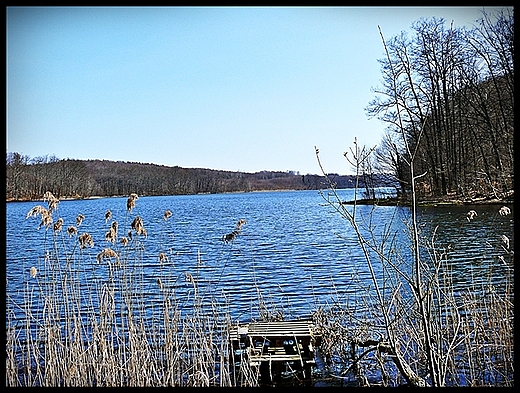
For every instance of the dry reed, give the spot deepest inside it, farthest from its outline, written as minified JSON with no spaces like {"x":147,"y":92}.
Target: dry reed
{"x":416,"y":328}
{"x":106,"y":333}
{"x":82,"y":327}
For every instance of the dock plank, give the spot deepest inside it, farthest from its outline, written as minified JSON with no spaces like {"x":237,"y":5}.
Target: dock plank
{"x":282,"y":328}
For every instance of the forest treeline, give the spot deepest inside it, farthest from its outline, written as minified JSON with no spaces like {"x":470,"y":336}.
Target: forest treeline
{"x":29,"y":178}
{"x":447,"y":100}
{"x":447,"y":97}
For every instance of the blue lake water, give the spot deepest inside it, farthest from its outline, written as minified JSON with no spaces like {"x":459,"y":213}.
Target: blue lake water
{"x":295,"y":250}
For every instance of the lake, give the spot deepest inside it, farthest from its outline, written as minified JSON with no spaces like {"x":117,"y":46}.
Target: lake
{"x":294,"y":249}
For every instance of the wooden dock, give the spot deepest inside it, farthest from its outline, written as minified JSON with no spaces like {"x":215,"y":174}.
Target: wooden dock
{"x":278,"y":351}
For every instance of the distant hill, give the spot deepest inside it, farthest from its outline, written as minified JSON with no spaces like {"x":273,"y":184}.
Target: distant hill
{"x":28,"y":179}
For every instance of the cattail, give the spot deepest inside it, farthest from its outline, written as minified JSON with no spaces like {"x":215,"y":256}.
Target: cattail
{"x":240,"y":224}
{"x":504,"y":211}
{"x":72,"y":230}
{"x":123,"y":241}
{"x":107,"y":253}
{"x":159,"y":282}
{"x":85,"y":239}
{"x":130,"y":202}
{"x":162,"y":257}
{"x":52,"y":200}
{"x":137,"y":226}
{"x":33,"y":272}
{"x":58,"y":225}
{"x":108,"y":215}
{"x":167,"y":214}
{"x":79,"y":219}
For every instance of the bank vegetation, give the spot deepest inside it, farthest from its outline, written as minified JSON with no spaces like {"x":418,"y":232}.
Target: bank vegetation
{"x":448,"y":101}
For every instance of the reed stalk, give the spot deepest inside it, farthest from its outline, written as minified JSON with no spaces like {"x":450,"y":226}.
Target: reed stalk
{"x":420,"y":330}
{"x":104,"y":332}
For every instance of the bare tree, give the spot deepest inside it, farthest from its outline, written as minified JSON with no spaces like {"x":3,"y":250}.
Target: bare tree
{"x":449,"y":92}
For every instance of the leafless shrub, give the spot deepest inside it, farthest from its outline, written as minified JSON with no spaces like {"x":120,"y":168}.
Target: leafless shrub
{"x":416,"y":328}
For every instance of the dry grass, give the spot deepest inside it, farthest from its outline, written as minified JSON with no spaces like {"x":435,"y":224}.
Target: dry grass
{"x":473,"y":335}
{"x":411,"y":324}
{"x":105,"y":332}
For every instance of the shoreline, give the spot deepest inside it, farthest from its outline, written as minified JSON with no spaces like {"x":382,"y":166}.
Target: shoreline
{"x":433,"y":202}
{"x":389,"y":201}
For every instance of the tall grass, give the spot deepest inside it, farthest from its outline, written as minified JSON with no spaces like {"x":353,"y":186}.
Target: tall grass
{"x":416,"y":328}
{"x":86,"y":319}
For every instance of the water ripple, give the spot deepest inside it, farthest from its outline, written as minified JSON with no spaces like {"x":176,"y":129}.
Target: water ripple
{"x":294,"y":250}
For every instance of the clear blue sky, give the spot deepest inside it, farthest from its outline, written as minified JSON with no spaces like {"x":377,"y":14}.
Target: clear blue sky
{"x":232,"y":88}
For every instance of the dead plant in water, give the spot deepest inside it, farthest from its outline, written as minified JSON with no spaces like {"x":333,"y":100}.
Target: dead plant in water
{"x":417,"y":329}
{"x":232,"y":235}
{"x":86,"y":318}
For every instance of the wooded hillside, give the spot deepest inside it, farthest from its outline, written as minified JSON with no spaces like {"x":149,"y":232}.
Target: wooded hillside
{"x":448,"y":101}
{"x":28,"y":179}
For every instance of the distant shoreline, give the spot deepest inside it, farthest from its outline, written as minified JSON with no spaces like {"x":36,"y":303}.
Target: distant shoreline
{"x":124,"y":196}
{"x":389,"y":201}
{"x":432,"y":202}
